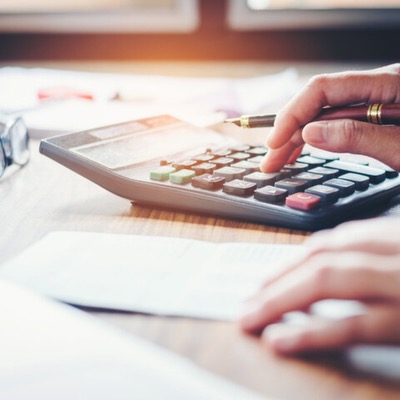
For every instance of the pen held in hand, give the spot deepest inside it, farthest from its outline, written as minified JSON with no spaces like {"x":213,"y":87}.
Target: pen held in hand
{"x":381,"y":114}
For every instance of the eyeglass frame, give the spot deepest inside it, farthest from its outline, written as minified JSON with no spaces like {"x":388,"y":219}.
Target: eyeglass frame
{"x":5,"y":134}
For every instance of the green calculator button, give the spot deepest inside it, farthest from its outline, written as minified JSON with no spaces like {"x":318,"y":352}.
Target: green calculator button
{"x":182,"y":176}
{"x":162,"y":173}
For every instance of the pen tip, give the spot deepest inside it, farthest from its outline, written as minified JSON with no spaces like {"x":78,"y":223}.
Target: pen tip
{"x":232,"y":120}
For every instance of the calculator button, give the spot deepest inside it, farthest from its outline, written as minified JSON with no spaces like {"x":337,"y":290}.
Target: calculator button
{"x":222,"y":153}
{"x":285,"y":173}
{"x":238,"y":187}
{"x":240,"y":156}
{"x":257,"y":151}
{"x":240,"y":147}
{"x":270,"y":194}
{"x":256,"y":159}
{"x":162,"y":173}
{"x":208,"y":182}
{"x":186,"y":164}
{"x":361,"y":181}
{"x":376,"y":175}
{"x":182,"y":176}
{"x":248,"y":166}
{"x":328,"y":173}
{"x":302,"y":201}
{"x":312,"y":161}
{"x":295,"y":168}
{"x":292,"y":185}
{"x":204,"y":168}
{"x":346,"y":188}
{"x":311,"y":179}
{"x":222,"y":161}
{"x":230,"y":173}
{"x":204,"y":157}
{"x":325,"y":155}
{"x":328,"y":194}
{"x":263,"y":179}
{"x":390,"y":173}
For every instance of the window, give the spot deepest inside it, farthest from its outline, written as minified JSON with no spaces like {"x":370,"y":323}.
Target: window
{"x":295,"y":14}
{"x":99,"y":16}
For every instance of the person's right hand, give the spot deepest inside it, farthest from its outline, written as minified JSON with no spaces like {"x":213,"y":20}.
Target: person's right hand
{"x":293,"y":126}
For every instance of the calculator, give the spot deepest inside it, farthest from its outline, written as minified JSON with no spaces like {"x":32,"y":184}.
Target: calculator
{"x":168,"y":163}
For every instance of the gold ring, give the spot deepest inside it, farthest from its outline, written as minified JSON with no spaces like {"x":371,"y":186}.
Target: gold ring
{"x":374,"y":114}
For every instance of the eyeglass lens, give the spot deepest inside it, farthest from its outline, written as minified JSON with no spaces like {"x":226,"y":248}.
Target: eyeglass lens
{"x":14,"y":144}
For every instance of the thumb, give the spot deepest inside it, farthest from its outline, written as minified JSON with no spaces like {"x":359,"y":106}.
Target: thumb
{"x":380,"y":142}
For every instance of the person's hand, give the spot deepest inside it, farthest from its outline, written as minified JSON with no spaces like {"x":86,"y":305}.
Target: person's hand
{"x":293,"y":127}
{"x":355,"y":261}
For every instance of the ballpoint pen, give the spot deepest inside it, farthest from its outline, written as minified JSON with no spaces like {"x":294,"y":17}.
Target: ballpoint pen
{"x":381,"y":114}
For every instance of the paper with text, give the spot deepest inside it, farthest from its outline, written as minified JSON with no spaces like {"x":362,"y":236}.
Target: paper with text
{"x":157,"y":275}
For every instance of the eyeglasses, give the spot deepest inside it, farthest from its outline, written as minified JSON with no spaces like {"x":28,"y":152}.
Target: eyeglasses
{"x":14,"y":143}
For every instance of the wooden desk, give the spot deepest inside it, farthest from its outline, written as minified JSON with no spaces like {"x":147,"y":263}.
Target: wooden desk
{"x":44,"y":196}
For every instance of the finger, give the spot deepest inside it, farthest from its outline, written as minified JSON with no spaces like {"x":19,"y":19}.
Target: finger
{"x":380,"y":324}
{"x":380,"y":85}
{"x":341,"y":136}
{"x":379,"y":236}
{"x":275,"y":159}
{"x":325,"y":276}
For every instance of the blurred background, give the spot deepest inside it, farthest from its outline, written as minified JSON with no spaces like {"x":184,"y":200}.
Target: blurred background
{"x":200,"y":30}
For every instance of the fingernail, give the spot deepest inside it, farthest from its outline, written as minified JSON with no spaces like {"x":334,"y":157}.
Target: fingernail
{"x":316,"y":132}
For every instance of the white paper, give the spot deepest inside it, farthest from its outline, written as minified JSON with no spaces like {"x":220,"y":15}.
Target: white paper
{"x":158,"y":275}
{"x":51,"y":351}
{"x":152,"y":274}
{"x":200,"y":101}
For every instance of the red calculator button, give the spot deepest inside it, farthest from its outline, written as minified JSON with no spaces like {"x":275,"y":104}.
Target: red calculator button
{"x":302,"y":201}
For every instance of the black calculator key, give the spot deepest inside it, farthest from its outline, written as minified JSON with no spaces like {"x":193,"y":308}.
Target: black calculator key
{"x":346,"y":188}
{"x":296,"y":168}
{"x":390,"y":172}
{"x":230,"y":173}
{"x":271,"y":194}
{"x":361,"y":181}
{"x":328,"y":173}
{"x":312,"y":161}
{"x":376,"y":175}
{"x":310,"y":178}
{"x":263,"y":179}
{"x":239,"y":187}
{"x":292,"y":185}
{"x":204,"y":168}
{"x":328,"y":194}
{"x":208,"y":182}
{"x":325,"y":155}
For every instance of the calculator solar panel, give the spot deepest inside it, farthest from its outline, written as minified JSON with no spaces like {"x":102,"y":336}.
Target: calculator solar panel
{"x":165,"y":162}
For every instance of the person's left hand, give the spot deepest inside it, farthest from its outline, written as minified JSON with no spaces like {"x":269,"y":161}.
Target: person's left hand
{"x":355,"y":261}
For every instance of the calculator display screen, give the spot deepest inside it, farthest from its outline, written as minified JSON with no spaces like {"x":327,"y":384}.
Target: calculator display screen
{"x":127,"y":150}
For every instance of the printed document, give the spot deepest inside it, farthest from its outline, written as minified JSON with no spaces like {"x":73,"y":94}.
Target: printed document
{"x":149,"y":274}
